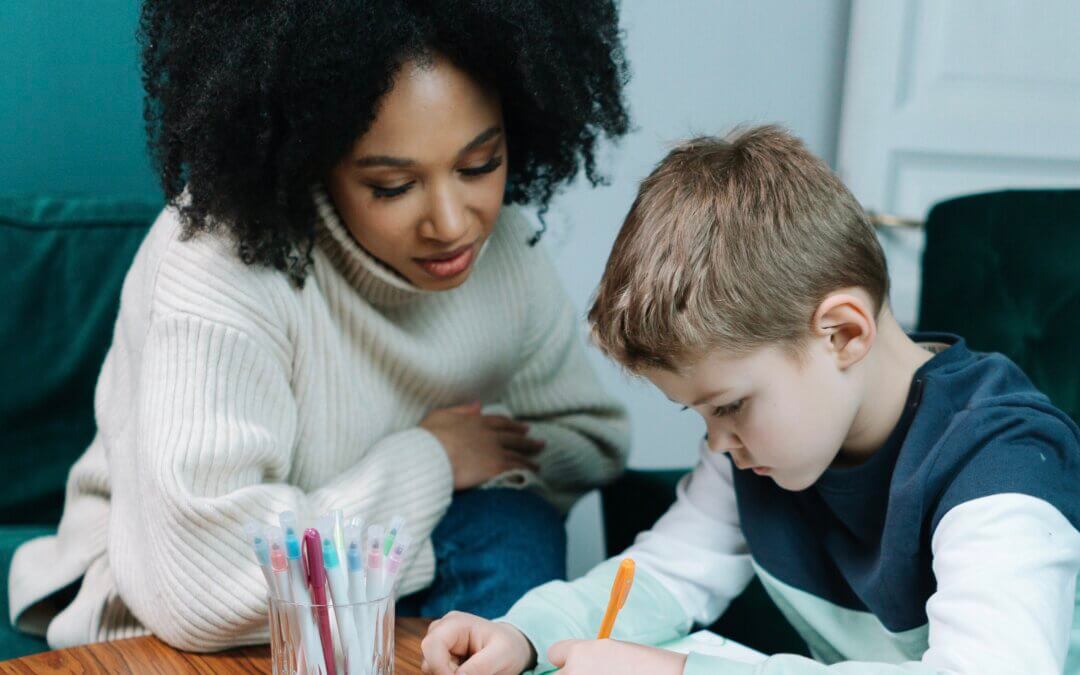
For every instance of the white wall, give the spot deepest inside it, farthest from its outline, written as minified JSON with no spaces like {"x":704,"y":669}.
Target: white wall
{"x":697,"y":67}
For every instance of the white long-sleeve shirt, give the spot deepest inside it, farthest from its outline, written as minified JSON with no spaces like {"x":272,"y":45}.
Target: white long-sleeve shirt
{"x":954,"y":550}
{"x":229,"y":395}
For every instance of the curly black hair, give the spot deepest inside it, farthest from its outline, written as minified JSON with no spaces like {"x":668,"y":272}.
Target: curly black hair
{"x":250,"y":103}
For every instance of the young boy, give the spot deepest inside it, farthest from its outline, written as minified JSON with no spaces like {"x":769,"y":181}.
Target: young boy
{"x":910,"y":505}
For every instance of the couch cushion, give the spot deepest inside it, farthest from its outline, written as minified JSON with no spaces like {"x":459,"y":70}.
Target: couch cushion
{"x":65,"y":260}
{"x":1002,"y":270}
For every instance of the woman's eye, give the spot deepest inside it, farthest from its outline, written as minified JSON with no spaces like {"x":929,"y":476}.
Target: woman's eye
{"x":491,"y":165}
{"x":388,"y":192}
{"x":729,"y":409}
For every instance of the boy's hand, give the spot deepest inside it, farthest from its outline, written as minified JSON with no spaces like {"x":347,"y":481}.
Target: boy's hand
{"x":596,"y":657}
{"x":481,"y":447}
{"x":463,"y":644}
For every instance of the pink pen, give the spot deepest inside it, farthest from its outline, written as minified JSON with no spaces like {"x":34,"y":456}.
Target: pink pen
{"x":317,"y":580}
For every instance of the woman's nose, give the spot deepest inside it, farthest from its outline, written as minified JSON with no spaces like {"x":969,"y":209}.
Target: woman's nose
{"x":447,"y":220}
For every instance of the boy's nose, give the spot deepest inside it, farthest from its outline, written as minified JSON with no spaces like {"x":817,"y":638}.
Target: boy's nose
{"x":720,"y":440}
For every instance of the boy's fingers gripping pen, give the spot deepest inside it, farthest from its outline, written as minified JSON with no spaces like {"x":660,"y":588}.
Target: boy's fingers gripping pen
{"x":620,"y":589}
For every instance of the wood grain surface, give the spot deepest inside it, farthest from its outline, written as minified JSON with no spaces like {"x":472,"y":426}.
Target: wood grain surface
{"x":150,"y":656}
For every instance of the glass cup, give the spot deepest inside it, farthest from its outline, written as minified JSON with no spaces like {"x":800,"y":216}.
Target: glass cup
{"x":361,"y":637}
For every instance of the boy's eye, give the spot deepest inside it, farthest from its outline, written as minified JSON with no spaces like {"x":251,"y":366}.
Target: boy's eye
{"x":491,"y":165}
{"x":729,"y":409}
{"x":388,"y":192}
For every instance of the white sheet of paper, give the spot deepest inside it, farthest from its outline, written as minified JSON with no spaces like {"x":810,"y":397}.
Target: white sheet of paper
{"x":705,"y":642}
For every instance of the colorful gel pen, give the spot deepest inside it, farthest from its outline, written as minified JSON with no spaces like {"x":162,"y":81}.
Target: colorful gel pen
{"x":313,"y":653}
{"x":337,"y":523}
{"x":394,"y":560}
{"x":317,"y":580}
{"x":620,"y":588}
{"x":338,"y":581}
{"x":354,"y":557}
{"x":396,"y":523}
{"x":374,"y":562}
{"x":257,"y":538}
{"x":279,"y":565}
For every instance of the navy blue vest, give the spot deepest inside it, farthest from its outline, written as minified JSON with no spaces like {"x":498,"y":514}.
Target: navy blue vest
{"x":973,"y":426}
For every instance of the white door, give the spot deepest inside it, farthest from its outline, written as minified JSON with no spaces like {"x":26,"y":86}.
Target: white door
{"x":950,"y":97}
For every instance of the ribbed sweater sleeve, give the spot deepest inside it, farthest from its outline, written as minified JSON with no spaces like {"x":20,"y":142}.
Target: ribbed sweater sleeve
{"x":217,"y":433}
{"x":585,"y":429}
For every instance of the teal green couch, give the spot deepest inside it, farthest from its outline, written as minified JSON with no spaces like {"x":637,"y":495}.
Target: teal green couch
{"x":1002,"y":270}
{"x":66,"y":260}
{"x":76,"y":195}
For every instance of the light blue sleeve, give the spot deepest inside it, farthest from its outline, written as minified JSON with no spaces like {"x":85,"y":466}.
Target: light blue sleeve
{"x":561,"y":610}
{"x":790,"y":664}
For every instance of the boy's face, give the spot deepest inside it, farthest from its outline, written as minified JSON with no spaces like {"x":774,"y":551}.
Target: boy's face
{"x":776,"y":415}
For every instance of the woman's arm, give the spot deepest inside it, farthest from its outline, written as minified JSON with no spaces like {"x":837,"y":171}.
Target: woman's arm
{"x":217,"y":435}
{"x":556,"y":391}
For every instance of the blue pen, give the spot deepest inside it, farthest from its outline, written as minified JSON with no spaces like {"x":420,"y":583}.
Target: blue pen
{"x":338,"y":581}
{"x":257,"y":538}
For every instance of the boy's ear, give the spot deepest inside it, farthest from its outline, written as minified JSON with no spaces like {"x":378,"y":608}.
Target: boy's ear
{"x":846,"y":319}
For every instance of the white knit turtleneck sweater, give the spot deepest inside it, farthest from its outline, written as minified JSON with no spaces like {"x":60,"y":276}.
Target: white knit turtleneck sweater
{"x":230,"y":395}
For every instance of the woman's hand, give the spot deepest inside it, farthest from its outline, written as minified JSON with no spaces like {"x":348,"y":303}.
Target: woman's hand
{"x":597,"y":657}
{"x":464,"y":644}
{"x":481,"y":447}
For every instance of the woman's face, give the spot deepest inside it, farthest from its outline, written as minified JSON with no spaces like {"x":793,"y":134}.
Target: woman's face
{"x":422,"y":188}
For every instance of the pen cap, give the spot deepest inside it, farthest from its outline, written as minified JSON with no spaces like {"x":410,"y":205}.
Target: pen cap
{"x":354,"y":553}
{"x":255,"y":536}
{"x":374,"y":546}
{"x":337,"y":528}
{"x":329,"y":546}
{"x":278,"y":561}
{"x":291,"y":536}
{"x":392,"y":531}
{"x":401,"y":547}
{"x":315,"y":568}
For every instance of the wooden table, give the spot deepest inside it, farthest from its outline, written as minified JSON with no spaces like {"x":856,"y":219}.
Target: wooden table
{"x":150,"y":655}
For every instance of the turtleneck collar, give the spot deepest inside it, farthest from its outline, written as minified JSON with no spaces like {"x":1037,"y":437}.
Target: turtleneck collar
{"x":373,"y":279}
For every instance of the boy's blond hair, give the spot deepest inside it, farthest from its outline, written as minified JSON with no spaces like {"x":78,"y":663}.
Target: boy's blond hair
{"x":731,"y":244}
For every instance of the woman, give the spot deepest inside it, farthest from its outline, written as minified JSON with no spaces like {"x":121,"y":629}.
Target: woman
{"x":334,"y":292}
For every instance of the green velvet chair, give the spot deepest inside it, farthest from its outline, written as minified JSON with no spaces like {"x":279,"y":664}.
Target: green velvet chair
{"x":65,"y":260}
{"x":76,"y":195}
{"x":1001,"y":269}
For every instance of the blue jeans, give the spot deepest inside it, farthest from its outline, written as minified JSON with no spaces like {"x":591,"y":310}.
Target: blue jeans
{"x":490,"y":548}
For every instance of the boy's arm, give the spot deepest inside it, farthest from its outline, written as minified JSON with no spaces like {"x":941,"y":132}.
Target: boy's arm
{"x":689,"y":567}
{"x":1006,"y":568}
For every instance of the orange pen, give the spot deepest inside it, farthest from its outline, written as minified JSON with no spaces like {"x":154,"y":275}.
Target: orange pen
{"x":624,"y":579}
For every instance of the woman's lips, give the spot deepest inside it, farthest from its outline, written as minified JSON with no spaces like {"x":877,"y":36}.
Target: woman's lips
{"x":760,"y":470}
{"x":450,"y":264}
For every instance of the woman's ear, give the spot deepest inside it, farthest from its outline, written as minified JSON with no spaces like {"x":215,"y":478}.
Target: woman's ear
{"x":845,"y":318}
